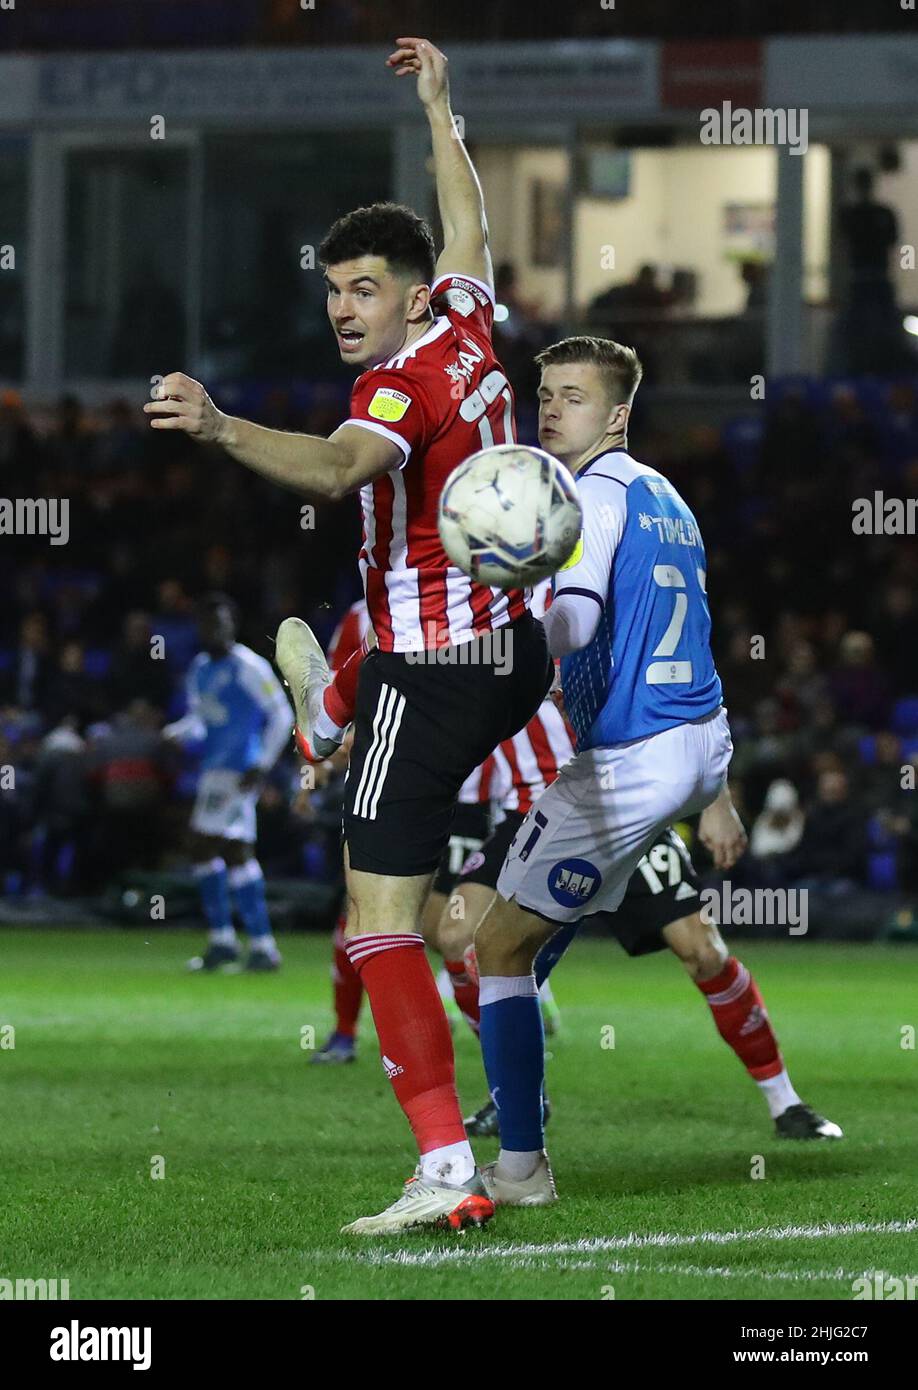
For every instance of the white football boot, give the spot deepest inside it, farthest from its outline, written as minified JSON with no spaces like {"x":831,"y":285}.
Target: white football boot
{"x":424,"y":1204}
{"x":538,"y":1190}
{"x":305,"y":671}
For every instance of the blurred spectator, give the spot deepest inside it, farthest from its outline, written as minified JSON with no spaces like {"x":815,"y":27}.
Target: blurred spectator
{"x":71,"y":691}
{"x":61,"y":810}
{"x":832,"y":848}
{"x":859,"y":689}
{"x":777,"y":831}
{"x":135,"y":673}
{"x":130,"y":769}
{"x":871,"y":337}
{"x":25,"y":683}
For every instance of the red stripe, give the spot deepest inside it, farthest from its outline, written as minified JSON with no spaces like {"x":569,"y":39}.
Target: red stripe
{"x":520,"y":785}
{"x":545,"y":757}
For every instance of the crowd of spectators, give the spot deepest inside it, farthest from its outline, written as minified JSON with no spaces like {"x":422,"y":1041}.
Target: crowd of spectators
{"x":56,"y":24}
{"x":815,"y":627}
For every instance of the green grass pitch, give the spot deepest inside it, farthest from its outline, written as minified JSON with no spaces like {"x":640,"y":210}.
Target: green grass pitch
{"x":121,"y":1060}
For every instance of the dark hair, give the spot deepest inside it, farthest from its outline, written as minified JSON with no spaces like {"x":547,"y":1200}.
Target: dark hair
{"x":620,"y":366}
{"x":385,"y":229}
{"x":209,"y":603}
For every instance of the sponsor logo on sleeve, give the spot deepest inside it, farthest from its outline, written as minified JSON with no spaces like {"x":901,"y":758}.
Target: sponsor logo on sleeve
{"x":460,"y":300}
{"x":389,"y":405}
{"x":576,"y":555}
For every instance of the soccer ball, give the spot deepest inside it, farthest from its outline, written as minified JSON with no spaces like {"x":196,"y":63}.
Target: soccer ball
{"x":509,"y":516}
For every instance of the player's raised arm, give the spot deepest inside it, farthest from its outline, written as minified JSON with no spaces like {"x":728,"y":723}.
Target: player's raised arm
{"x":462,"y":212}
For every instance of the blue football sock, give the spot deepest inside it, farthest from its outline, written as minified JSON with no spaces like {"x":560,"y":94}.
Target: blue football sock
{"x":213,"y":886}
{"x":513,"y":1049}
{"x":248,"y":884}
{"x":552,"y":952}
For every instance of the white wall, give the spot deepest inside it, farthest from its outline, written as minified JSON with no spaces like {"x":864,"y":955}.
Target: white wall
{"x":674,"y":216}
{"x":507,"y":174}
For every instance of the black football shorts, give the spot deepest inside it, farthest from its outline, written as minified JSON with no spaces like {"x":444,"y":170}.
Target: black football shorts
{"x":423,"y":722}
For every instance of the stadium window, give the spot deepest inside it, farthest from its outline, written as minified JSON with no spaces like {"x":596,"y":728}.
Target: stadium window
{"x":126,"y":261}
{"x":269,"y":200}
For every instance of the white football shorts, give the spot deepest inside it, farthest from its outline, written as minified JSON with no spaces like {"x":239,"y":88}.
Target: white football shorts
{"x":577,"y":848}
{"x":222,"y":809}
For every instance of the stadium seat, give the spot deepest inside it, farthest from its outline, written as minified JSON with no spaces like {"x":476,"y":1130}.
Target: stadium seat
{"x":905,"y":716}
{"x":741,"y":437}
{"x":883,"y":872}
{"x":867,"y":749}
{"x":97,"y":663}
{"x":878,"y":836}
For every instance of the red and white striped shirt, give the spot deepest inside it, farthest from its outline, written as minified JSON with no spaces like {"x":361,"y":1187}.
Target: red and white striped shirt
{"x":530,"y":761}
{"x":441,"y":400}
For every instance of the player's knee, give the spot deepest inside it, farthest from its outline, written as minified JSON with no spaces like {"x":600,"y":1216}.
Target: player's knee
{"x":703,"y":950}
{"x":507,"y":941}
{"x":454,"y":931}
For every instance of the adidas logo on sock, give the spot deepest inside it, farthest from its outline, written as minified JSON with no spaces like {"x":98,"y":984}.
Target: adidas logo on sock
{"x":391,"y":1068}
{"x":754,"y":1020}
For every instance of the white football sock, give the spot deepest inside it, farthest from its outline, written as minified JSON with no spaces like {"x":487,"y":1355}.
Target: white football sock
{"x":264,"y":943}
{"x":445,"y":986}
{"x":323,"y":726}
{"x":222,"y":936}
{"x":453,"y":1164}
{"x":518,"y":1164}
{"x":779,"y":1093}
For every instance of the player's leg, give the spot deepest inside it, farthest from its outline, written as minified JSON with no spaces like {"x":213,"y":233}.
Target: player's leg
{"x":741,"y":1019}
{"x":324,"y":704}
{"x":422,"y":725}
{"x":210,"y":874}
{"x":247,"y":883}
{"x":507,"y":943}
{"x":347,"y":993}
{"x":459,"y":918}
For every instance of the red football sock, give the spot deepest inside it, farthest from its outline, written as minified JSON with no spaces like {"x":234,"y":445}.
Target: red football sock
{"x":340,"y":696}
{"x":414,"y":1037}
{"x":347,"y":986}
{"x":739,"y":1013}
{"x":465,"y":993}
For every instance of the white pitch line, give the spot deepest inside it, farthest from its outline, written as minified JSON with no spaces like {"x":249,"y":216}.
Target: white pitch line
{"x":715,"y":1271}
{"x":662,"y":1240}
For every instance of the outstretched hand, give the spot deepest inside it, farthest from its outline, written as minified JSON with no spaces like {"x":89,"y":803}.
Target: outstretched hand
{"x":180,"y":403}
{"x":423,"y":59}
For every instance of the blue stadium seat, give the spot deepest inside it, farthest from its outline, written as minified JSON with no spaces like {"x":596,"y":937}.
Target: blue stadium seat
{"x":741,"y":437}
{"x":879,"y":837}
{"x":97,"y":663}
{"x":905,"y":716}
{"x":867,"y":749}
{"x":882,"y":872}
